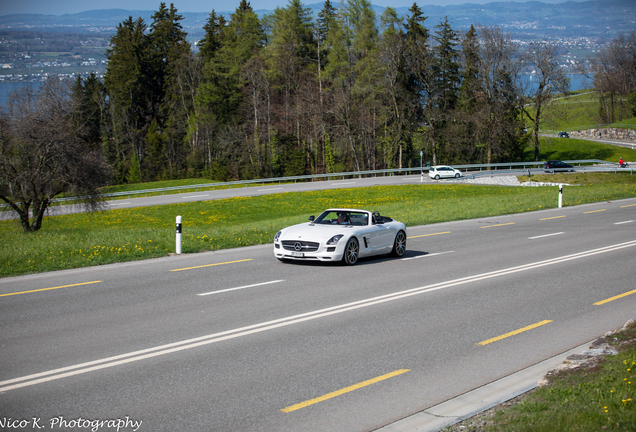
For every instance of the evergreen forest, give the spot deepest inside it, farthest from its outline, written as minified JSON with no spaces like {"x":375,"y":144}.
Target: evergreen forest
{"x":292,"y":94}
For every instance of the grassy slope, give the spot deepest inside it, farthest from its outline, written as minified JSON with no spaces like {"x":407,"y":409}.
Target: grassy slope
{"x":81,"y":240}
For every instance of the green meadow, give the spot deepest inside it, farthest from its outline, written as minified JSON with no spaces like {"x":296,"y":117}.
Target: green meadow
{"x":87,"y":239}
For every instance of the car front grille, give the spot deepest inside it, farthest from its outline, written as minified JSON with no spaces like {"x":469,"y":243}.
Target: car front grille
{"x":300,"y":246}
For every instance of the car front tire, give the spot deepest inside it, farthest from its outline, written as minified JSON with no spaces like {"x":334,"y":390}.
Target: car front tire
{"x":457,"y":175}
{"x":437,"y":177}
{"x":351,"y":253}
{"x":399,"y":245}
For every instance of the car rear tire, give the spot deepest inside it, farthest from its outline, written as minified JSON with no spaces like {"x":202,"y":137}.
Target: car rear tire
{"x":351,"y":253}
{"x":399,"y":245}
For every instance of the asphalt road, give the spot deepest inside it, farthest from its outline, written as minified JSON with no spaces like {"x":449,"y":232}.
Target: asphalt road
{"x":236,"y":341}
{"x":252,"y":190}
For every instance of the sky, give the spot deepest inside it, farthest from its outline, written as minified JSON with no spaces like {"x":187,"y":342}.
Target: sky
{"x":61,"y":7}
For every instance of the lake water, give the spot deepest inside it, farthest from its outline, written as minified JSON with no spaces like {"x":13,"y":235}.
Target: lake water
{"x":577,"y":82}
{"x":7,"y":88}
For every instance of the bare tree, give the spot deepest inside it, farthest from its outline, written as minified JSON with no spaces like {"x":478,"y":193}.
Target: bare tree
{"x":549,"y":80}
{"x":614,"y":70}
{"x":42,"y":154}
{"x":498,"y":72}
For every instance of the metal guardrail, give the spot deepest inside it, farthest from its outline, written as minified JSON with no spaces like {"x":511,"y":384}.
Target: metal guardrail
{"x":484,"y":169}
{"x":596,"y":126}
{"x":328,"y":177}
{"x":609,"y":167}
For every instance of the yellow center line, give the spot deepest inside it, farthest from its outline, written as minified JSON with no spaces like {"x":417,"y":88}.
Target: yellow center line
{"x":594,"y":211}
{"x":427,"y":235}
{"x":631,"y":205}
{"x":210,"y":265}
{"x":47,"y":289}
{"x":555,"y":217}
{"x":614,"y":298}
{"x":512,"y":333}
{"x":491,"y":226}
{"x":343,"y":391}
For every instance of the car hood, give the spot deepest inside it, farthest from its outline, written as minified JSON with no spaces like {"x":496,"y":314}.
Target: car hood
{"x":310,"y":231}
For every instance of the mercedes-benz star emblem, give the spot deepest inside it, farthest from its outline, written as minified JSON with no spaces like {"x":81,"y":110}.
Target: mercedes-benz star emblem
{"x":298,"y":246}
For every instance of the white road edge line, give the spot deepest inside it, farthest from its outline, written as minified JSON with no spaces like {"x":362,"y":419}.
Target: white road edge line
{"x":620,"y":223}
{"x":118,"y":204}
{"x":240,"y":288}
{"x":545,"y":235}
{"x":270,"y":189}
{"x":95,"y":365}
{"x":338,"y":184}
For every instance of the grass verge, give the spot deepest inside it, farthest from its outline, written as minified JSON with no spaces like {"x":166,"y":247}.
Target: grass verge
{"x":81,"y":240}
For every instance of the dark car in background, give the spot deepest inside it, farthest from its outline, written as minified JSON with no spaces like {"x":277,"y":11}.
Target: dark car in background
{"x":555,"y":165}
{"x":564,"y":135}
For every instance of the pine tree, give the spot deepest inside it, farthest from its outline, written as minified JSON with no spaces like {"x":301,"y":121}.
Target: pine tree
{"x":211,"y":42}
{"x":446,"y":68}
{"x":91,"y":109}
{"x":241,"y":39}
{"x":168,"y":47}
{"x":418,"y":60}
{"x":129,"y":94}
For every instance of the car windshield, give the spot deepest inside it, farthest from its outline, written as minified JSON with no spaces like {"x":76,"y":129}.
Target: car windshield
{"x":341,"y":217}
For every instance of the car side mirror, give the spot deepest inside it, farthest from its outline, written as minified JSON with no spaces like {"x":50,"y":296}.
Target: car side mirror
{"x":311,"y":218}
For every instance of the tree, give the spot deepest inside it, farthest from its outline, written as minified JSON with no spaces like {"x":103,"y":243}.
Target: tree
{"x":391,"y":53}
{"x":419,"y":58}
{"x":42,"y":153}
{"x":91,"y":108}
{"x":129,"y":92}
{"x":614,"y":70}
{"x":211,"y":42}
{"x":500,"y":97}
{"x":167,"y":48}
{"x":445,"y":85}
{"x":549,"y":79}
{"x":465,"y":131}
{"x":220,"y":94}
{"x":221,"y":88}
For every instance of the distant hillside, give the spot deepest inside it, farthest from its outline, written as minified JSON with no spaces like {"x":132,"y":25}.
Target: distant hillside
{"x":593,"y":19}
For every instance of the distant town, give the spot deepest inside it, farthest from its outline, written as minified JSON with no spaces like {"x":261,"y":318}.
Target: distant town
{"x":34,"y":47}
{"x":32,"y":66}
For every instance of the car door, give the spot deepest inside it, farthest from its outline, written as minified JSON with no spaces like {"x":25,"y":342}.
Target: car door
{"x":377,"y":238}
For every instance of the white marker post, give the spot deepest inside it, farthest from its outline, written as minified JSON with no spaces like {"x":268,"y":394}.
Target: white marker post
{"x":179,"y":230}
{"x":560,"y":195}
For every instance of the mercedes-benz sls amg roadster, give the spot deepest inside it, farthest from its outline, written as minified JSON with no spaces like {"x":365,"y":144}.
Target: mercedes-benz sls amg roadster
{"x":342,"y":235}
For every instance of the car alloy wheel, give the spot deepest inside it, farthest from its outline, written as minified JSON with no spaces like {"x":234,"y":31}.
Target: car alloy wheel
{"x":436,"y":176}
{"x":352,"y":250}
{"x":457,"y":175}
{"x":399,"y":246}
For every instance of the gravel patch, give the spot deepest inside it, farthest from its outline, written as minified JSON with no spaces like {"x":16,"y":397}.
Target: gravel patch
{"x":501,"y":180}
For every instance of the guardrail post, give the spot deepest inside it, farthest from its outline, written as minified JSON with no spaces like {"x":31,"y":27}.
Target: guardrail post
{"x":560,"y":195}
{"x":178,"y":240}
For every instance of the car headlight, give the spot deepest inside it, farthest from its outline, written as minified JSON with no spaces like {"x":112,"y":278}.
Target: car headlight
{"x":333,"y":240}
{"x":277,"y":236}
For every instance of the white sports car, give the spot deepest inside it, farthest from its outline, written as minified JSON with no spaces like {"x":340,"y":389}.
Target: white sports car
{"x":341,"y":235}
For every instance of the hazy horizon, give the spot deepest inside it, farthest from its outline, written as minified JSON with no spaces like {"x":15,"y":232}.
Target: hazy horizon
{"x":49,"y":7}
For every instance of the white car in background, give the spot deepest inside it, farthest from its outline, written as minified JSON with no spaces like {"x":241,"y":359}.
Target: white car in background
{"x":341,"y":235}
{"x":443,"y":171}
